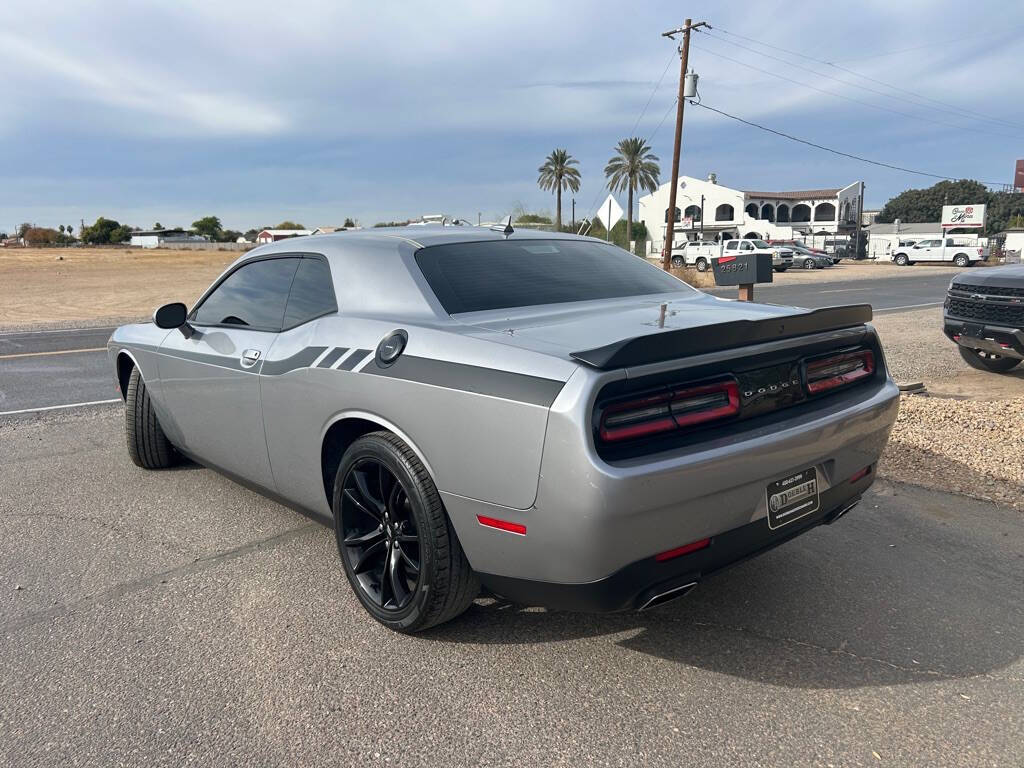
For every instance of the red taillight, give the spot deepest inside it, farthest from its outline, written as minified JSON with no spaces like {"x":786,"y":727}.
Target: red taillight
{"x":669,"y":410}
{"x":858,"y":475}
{"x":502,"y":525}
{"x":839,"y":370}
{"x":683,"y":550}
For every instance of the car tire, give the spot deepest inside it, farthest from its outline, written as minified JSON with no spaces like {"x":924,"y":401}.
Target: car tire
{"x":991,"y":363}
{"x":809,"y":264}
{"x":366,"y":518}
{"x":781,"y":269}
{"x":901,"y":260}
{"x":148,"y":446}
{"x":678,"y":262}
{"x":702,"y":264}
{"x":961,"y":260}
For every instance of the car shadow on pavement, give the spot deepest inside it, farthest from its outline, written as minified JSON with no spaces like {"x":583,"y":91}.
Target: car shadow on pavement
{"x":818,"y":613}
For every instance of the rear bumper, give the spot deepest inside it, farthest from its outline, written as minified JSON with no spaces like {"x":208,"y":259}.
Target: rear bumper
{"x":995,"y":339}
{"x":648,"y":582}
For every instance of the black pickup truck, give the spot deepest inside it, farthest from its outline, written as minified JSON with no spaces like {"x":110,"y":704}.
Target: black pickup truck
{"x":984,"y":315}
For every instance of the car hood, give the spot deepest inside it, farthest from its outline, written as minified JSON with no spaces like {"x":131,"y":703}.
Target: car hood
{"x":1010,"y":276}
{"x":561,"y":330}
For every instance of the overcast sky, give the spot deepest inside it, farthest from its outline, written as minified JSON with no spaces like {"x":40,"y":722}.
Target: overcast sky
{"x":315,"y":110}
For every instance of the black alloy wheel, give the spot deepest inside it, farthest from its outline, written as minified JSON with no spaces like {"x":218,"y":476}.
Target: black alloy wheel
{"x":986,"y":361}
{"x":380,"y":541}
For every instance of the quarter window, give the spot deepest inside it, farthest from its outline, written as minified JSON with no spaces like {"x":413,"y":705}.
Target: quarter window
{"x":312,"y":293}
{"x":253,"y":296}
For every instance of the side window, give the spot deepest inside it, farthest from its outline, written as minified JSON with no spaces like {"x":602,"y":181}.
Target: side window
{"x":253,"y":296}
{"x":746,"y":247}
{"x":312,"y":294}
{"x":949,"y":241}
{"x":731,"y":245}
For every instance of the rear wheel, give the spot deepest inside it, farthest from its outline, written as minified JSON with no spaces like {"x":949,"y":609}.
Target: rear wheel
{"x":702,"y":264}
{"x":678,"y":262}
{"x":961,"y":260}
{"x":148,"y":446}
{"x":901,"y":260}
{"x":398,"y":549}
{"x":985,"y":361}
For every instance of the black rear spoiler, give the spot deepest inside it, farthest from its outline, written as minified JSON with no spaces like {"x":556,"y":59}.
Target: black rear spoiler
{"x":687,"y":342}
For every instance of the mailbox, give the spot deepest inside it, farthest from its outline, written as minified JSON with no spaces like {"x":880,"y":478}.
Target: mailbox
{"x":743,"y":269}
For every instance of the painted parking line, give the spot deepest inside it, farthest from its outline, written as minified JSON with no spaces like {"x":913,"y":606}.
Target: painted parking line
{"x":909,"y":306}
{"x":60,"y":407}
{"x":57,"y":330}
{"x":55,"y":352}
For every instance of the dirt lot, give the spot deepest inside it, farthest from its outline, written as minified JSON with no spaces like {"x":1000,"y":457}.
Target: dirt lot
{"x":94,"y":285}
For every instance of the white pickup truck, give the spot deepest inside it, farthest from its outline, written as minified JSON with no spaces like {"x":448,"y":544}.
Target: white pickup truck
{"x":944,"y":249}
{"x":700,"y":253}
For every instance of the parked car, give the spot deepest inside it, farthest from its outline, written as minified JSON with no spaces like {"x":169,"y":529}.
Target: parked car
{"x":942,"y":250}
{"x":697,"y":253}
{"x":586,"y":432}
{"x":782,"y":258}
{"x":805,"y":257}
{"x":984,"y":315}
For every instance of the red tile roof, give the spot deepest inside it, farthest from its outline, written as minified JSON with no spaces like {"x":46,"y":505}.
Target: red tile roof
{"x":800,"y":194}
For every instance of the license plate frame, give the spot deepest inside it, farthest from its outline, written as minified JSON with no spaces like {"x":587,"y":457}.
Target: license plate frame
{"x":806,"y":492}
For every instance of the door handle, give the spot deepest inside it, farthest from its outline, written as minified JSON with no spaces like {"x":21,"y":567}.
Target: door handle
{"x":250,"y":357}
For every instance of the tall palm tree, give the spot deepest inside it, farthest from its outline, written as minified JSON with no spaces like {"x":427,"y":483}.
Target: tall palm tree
{"x":557,"y":174}
{"x":634,"y":167}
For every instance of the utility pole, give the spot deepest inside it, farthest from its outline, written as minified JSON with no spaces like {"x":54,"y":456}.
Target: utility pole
{"x":684,"y":60}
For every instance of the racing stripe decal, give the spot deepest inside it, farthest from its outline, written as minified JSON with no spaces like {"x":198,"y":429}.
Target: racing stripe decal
{"x":332,"y":357}
{"x":301,"y":359}
{"x":353,"y":360}
{"x":472,"y":378}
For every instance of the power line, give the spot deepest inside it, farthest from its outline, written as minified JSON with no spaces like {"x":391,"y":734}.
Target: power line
{"x":865,"y":77}
{"x":654,"y":91}
{"x":848,"y":98}
{"x":830,"y":149}
{"x":899,"y":99}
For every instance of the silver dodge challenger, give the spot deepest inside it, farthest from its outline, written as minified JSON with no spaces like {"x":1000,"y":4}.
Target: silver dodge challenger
{"x":542,"y":415}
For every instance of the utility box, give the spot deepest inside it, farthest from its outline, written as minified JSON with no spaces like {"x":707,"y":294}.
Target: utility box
{"x":743,"y":269}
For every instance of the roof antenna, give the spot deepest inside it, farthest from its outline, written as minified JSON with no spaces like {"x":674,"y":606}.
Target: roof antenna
{"x":507,"y":229}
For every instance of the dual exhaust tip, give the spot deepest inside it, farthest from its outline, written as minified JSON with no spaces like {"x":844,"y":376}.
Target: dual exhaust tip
{"x":667,"y":595}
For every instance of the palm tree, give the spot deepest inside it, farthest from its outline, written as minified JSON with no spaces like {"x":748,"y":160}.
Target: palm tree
{"x":557,"y":174}
{"x":633,"y":167}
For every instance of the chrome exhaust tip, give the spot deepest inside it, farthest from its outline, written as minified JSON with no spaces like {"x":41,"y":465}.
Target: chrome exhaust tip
{"x":667,"y":596}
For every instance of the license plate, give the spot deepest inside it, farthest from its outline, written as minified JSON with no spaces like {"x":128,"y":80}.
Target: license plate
{"x":792,"y":497}
{"x":972,"y":331}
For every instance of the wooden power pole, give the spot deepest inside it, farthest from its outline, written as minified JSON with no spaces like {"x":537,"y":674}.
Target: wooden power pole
{"x":670,"y":214}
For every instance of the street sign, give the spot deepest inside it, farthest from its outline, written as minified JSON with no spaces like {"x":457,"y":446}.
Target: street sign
{"x":610,"y":212}
{"x":686,"y":223}
{"x":963,"y":216}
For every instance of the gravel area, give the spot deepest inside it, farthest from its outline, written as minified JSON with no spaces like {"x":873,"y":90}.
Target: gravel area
{"x":967,"y":434}
{"x":971,"y":447}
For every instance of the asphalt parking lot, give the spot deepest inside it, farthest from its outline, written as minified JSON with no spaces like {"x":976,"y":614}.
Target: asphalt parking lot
{"x":175,"y":618}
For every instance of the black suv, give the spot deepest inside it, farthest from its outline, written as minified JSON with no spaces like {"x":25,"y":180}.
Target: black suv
{"x":984,"y":315}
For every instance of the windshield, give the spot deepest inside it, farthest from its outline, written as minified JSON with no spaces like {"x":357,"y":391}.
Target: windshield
{"x":760,"y":244}
{"x":503,"y":274}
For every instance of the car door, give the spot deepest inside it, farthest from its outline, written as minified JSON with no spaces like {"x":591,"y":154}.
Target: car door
{"x":211,"y":377}
{"x":300,"y":387}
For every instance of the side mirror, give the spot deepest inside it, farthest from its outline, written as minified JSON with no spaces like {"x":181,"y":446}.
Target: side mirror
{"x":171,"y":316}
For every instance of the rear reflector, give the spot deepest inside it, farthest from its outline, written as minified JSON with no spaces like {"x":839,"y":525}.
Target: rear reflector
{"x":839,"y":370}
{"x":502,"y":525}
{"x":863,"y":473}
{"x":683,"y":550}
{"x":673,"y":409}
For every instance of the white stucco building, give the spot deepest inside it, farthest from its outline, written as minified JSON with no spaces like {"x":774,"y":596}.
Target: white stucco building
{"x":705,"y":208}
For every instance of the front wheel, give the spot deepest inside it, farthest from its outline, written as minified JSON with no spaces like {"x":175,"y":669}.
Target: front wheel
{"x":702,"y":264}
{"x":901,"y":260}
{"x":399,"y":551}
{"x":148,"y":446}
{"x":983,"y":361}
{"x":961,"y":260}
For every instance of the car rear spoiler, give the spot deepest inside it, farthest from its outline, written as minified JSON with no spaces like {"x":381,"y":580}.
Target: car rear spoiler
{"x":687,"y":342}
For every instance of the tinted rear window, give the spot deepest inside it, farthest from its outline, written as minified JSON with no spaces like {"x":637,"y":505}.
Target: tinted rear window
{"x":502,"y":274}
{"x":312,"y":293}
